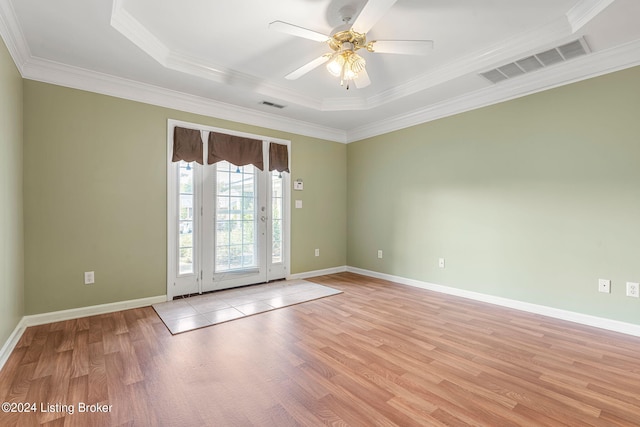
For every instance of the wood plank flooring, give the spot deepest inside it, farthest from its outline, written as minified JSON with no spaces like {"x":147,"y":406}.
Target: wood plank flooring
{"x":379,"y":354}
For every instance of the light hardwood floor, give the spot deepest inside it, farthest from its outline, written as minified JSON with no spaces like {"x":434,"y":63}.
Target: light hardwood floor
{"x":378,"y":354}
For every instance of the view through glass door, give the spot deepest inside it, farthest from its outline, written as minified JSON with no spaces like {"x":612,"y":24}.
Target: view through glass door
{"x":228,"y":225}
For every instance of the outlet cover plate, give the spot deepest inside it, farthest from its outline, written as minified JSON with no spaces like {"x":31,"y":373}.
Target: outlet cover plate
{"x":379,"y":253}
{"x":89,"y":278}
{"x":604,"y":285}
{"x":633,"y":289}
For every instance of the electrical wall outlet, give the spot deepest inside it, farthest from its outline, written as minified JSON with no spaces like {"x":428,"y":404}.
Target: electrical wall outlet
{"x":379,"y":253}
{"x":89,"y":278}
{"x":441,"y":262}
{"x":317,"y":252}
{"x":633,"y":289}
{"x":604,"y":285}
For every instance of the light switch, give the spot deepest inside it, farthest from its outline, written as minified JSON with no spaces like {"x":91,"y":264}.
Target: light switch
{"x":298,"y":204}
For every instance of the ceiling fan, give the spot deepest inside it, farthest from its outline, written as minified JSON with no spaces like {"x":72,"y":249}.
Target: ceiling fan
{"x":343,"y":61}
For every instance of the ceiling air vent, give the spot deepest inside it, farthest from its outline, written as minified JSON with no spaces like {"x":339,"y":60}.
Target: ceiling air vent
{"x":540,"y":60}
{"x":272,"y":104}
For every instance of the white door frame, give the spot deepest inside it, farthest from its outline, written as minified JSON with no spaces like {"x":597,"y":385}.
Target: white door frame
{"x":195,"y":280}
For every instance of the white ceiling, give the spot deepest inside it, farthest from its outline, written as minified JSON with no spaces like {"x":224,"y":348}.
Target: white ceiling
{"x":220,"y":58}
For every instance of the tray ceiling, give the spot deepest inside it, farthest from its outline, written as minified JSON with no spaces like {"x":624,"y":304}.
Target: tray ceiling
{"x":221,"y":58}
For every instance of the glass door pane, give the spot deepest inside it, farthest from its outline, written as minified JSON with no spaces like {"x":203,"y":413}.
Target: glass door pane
{"x":186,"y":204}
{"x":184,"y":228}
{"x":277,"y":206}
{"x":235,"y":231}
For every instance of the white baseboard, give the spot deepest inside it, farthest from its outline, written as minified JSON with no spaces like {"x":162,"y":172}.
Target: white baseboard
{"x":74,"y":313}
{"x":92,"y":310}
{"x":11,"y":342}
{"x":314,"y":273}
{"x":583,"y":319}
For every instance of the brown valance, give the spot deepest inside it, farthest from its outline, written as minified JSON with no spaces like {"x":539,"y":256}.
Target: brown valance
{"x":187,"y":145}
{"x":278,"y":157}
{"x":235,"y":149}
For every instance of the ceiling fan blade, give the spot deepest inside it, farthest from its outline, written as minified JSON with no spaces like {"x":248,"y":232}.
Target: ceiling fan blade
{"x":370,"y":14}
{"x":363,"y":79}
{"x":307,"y":67}
{"x":402,"y":47}
{"x":294,"y":30}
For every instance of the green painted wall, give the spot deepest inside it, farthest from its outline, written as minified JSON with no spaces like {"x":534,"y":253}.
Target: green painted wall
{"x":532,"y":199}
{"x":11,"y":229}
{"x":95,"y":197}
{"x":322,"y":222}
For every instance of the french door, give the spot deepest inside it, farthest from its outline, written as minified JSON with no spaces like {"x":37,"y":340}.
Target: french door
{"x":228,"y":226}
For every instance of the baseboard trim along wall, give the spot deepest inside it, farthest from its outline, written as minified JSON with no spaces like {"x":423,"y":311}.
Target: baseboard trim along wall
{"x":11,"y":342}
{"x":92,"y":310}
{"x":74,"y":313}
{"x":583,"y":319}
{"x":307,"y":274}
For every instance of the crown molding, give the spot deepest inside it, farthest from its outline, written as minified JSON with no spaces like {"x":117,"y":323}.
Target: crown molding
{"x":127,"y":25}
{"x":482,"y":59}
{"x":78,"y":78}
{"x":137,"y":33}
{"x":579,"y":69}
{"x":11,"y":33}
{"x":582,"y":13}
{"x":593,"y":65}
{"x":505,"y":51}
{"x":526,"y":41}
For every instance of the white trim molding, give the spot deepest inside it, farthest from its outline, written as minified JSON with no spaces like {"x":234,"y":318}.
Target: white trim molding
{"x":556,"y":313}
{"x":586,"y":67}
{"x":11,"y":342}
{"x":583,"y":68}
{"x":11,"y":33}
{"x":315,"y":273}
{"x":592,"y":65}
{"x":138,"y":34}
{"x":73,"y":313}
{"x":583,"y":319}
{"x":203,"y":278}
{"x":92,"y":310}
{"x":563,"y":26}
{"x":56,"y":73}
{"x":582,"y":13}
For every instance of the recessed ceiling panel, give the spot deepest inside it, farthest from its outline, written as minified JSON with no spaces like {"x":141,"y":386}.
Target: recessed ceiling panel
{"x":226,"y":53}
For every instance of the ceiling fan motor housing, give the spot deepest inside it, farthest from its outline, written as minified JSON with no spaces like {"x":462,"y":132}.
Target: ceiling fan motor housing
{"x":358,"y":40}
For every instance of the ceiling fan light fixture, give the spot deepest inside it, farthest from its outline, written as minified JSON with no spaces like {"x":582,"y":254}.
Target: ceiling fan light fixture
{"x":348,"y":76}
{"x":350,"y":37}
{"x":346,"y":64}
{"x":335,"y":65}
{"x":356,"y":63}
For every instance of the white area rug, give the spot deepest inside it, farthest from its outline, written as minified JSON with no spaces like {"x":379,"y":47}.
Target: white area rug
{"x":196,"y":312}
